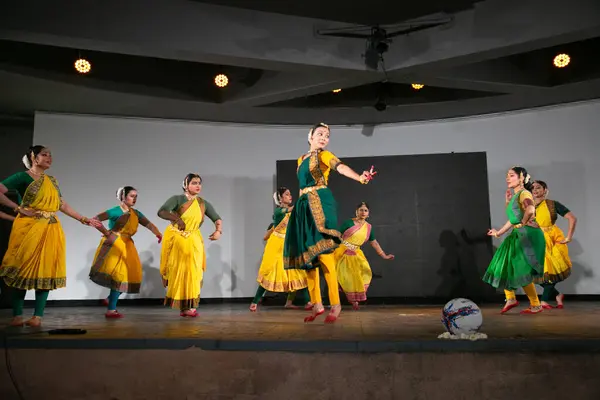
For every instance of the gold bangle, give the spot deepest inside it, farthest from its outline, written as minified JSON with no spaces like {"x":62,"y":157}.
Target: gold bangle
{"x":496,"y":235}
{"x":84,"y":220}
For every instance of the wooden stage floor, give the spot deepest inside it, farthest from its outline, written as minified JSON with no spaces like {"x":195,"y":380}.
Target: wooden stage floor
{"x":372,"y":329}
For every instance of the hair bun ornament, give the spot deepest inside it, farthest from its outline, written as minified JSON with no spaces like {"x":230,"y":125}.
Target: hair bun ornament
{"x":527,"y":178}
{"x":277,"y":199}
{"x":120,"y":193}
{"x":26,"y":161}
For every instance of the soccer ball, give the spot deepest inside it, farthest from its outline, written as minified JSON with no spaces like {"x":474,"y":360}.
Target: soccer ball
{"x":461,"y":316}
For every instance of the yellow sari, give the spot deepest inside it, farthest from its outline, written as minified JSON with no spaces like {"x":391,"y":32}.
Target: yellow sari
{"x":271,"y":274}
{"x":36,"y":254}
{"x":183,"y":260}
{"x":557,"y":264}
{"x":117,"y":264}
{"x":353,"y":270}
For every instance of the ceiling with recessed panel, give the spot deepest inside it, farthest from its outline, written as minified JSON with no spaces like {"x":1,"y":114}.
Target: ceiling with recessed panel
{"x":295,"y":62}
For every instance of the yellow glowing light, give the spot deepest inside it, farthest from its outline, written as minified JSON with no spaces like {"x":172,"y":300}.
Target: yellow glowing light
{"x":221,"y":80}
{"x":337,"y":90}
{"x":83,"y":66}
{"x":562,"y":60}
{"x":417,"y":86}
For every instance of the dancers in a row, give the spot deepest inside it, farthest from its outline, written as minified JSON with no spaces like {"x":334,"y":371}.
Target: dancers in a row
{"x":536,"y":249}
{"x":36,"y":255}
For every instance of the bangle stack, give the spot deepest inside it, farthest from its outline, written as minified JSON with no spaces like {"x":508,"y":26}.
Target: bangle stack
{"x":84,"y":220}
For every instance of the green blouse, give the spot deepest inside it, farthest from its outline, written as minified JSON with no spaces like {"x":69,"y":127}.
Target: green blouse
{"x":175,"y":202}
{"x":19,"y":182}
{"x":278,"y":216}
{"x":113,"y":215}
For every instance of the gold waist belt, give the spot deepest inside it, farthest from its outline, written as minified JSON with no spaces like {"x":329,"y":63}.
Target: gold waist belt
{"x":279,"y":235}
{"x":123,"y":235}
{"x":185,"y":234}
{"x":546,"y":228}
{"x":350,"y":246}
{"x":42,"y":214}
{"x":311,"y":189}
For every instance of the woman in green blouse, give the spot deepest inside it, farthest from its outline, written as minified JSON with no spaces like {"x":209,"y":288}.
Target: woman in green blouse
{"x":182,"y":259}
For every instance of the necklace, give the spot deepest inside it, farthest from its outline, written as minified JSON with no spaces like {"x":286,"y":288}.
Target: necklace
{"x":32,"y":172}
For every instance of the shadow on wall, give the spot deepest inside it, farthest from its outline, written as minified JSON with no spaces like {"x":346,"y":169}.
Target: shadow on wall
{"x":462,"y":266}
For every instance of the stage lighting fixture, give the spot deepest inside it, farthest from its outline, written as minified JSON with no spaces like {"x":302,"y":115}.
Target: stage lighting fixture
{"x":83,"y":66}
{"x":221,"y":80}
{"x":562,"y":60}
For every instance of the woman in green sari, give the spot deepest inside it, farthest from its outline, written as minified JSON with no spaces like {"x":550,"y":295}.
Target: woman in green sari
{"x":312,"y":232}
{"x":520,"y":258}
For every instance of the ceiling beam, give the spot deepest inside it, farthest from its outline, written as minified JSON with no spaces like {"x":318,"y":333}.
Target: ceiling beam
{"x":286,"y":86}
{"x":182,"y":30}
{"x":493,"y":29}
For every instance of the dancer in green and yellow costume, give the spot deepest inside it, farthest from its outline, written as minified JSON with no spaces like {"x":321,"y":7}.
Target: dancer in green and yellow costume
{"x":312,"y":232}
{"x":271,"y":274}
{"x":520,"y":258}
{"x":353,"y":269}
{"x":36,"y":254}
{"x":182,"y":258}
{"x":117,"y":265}
{"x":557,"y":264}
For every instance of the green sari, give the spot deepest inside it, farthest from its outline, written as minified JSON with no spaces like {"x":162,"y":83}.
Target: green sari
{"x":520,"y":257}
{"x":313,"y":226}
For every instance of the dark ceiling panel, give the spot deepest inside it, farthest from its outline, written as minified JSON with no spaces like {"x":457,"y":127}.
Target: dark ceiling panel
{"x":372,"y":12}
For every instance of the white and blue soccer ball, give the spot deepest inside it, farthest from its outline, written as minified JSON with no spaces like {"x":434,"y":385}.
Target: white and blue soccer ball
{"x":461,"y":316}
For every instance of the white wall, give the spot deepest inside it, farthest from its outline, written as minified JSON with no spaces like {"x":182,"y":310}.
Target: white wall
{"x":95,"y":155}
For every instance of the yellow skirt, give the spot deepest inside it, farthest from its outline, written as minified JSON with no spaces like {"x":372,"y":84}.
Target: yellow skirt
{"x":36,"y":255}
{"x":117,"y":265}
{"x":182,"y":257}
{"x":353,"y":272}
{"x":271,"y":274}
{"x":557,"y":264}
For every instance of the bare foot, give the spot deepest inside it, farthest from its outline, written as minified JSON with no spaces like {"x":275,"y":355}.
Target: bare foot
{"x":559,"y":300}
{"x":253,"y":307}
{"x":16,"y":321}
{"x":34,"y":322}
{"x":334,"y":313}
{"x":335,"y":310}
{"x":290,"y":306}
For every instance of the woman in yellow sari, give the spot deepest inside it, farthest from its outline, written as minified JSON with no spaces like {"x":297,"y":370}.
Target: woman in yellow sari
{"x":557,"y":264}
{"x":182,"y":258}
{"x":117,"y":265}
{"x":271,"y":274}
{"x":36,"y":254}
{"x":353,"y":269}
